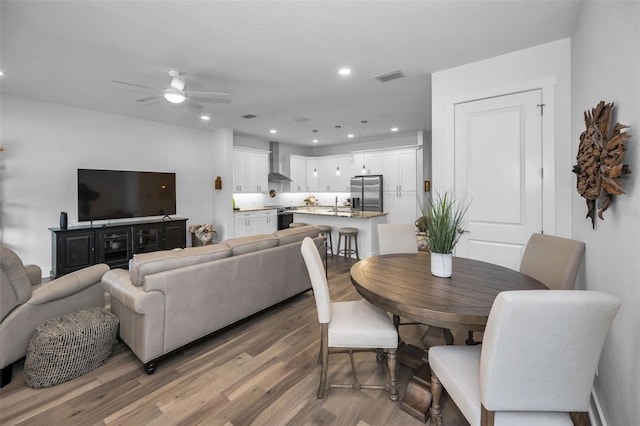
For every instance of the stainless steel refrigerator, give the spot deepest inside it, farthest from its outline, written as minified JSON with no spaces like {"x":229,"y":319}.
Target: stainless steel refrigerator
{"x":366,"y":193}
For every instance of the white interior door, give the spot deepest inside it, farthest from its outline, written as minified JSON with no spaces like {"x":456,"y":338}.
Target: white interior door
{"x":498,"y":164}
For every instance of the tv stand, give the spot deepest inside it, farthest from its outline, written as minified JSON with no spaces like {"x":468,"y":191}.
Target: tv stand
{"x":114,"y":244}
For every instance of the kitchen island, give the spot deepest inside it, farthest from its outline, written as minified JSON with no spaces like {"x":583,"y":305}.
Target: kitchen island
{"x":365,"y":222}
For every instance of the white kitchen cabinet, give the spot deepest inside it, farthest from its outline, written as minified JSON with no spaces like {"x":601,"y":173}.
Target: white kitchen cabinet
{"x":326,"y":173}
{"x":312,"y":181}
{"x":344,"y":180}
{"x":295,"y":167}
{"x":358,"y":163}
{"x":401,"y":206}
{"x":373,"y":161}
{"x":255,"y":222}
{"x":328,"y":178}
{"x":250,"y":170}
{"x":399,"y":170}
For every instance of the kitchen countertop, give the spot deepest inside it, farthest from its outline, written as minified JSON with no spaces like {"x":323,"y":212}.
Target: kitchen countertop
{"x":254,"y":209}
{"x":347,"y":214}
{"x":318,"y":211}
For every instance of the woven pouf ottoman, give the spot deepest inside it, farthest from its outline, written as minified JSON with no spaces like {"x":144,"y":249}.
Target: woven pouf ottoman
{"x":69,"y":346}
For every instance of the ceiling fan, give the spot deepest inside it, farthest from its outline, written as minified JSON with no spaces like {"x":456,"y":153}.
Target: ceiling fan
{"x":176,"y":92}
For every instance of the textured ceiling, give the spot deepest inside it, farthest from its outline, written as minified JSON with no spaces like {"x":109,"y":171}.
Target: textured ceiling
{"x":278,"y":60}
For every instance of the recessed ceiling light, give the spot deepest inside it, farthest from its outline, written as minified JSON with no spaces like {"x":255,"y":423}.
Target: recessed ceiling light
{"x":273,"y":131}
{"x":350,"y":135}
{"x":394,"y":129}
{"x":344,"y":71}
{"x":205,"y":118}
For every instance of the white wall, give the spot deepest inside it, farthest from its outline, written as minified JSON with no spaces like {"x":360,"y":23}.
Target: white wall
{"x":46,"y":143}
{"x":546,"y":66}
{"x":605,"y":64}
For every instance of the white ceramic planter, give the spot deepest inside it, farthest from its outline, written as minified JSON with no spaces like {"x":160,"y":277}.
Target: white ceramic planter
{"x":441,"y":264}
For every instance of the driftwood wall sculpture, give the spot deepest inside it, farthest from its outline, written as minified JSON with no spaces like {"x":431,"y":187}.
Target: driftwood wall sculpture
{"x":599,"y":167}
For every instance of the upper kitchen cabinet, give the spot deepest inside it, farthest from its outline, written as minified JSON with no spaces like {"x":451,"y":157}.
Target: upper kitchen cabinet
{"x":295,"y":167}
{"x":325,"y":179}
{"x":398,"y":167}
{"x":334,"y":173}
{"x":373,"y":162}
{"x":399,"y":170}
{"x":250,"y":170}
{"x":312,"y":175}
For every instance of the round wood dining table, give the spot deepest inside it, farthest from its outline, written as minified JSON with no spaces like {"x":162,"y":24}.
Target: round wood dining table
{"x":402,"y":284}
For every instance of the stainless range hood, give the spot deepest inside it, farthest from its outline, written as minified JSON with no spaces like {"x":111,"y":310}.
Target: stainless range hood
{"x":274,"y":164}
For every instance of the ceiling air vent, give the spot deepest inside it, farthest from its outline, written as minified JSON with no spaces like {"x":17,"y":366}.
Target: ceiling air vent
{"x":300,"y":119}
{"x":248,"y":116}
{"x":391,"y":75}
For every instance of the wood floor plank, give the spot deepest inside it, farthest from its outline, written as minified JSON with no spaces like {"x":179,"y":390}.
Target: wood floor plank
{"x":262,"y":371}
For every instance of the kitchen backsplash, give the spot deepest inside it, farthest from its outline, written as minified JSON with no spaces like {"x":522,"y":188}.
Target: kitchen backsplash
{"x":288,"y":199}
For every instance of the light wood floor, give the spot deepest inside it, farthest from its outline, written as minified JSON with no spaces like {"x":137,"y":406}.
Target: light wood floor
{"x":262,"y":371}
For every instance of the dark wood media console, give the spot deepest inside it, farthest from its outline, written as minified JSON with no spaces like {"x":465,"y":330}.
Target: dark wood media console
{"x":81,"y":246}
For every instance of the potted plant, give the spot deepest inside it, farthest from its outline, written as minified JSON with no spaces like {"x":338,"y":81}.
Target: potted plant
{"x":444,"y":219}
{"x":201,"y":235}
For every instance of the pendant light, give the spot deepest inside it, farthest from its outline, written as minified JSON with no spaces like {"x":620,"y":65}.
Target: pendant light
{"x":364,"y":168}
{"x":315,"y":143}
{"x":338,"y":137}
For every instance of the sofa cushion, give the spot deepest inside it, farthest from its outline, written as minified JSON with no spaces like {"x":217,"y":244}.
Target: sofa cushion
{"x":150,"y":263}
{"x":251,"y":243}
{"x":293,"y":235}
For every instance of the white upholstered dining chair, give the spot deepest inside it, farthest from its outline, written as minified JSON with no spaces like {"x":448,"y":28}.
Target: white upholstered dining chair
{"x":552,"y":260}
{"x":397,"y":238}
{"x":528,"y":370}
{"x":348,"y":327}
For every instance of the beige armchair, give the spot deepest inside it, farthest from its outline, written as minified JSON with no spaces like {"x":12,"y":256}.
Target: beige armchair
{"x":25,"y":303}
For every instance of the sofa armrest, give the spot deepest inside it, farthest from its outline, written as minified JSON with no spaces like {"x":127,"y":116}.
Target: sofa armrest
{"x":68,"y":285}
{"x":34,"y":272}
{"x":118,"y":283}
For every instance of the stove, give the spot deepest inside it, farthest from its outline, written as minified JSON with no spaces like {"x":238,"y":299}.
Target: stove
{"x":285,"y":216}
{"x":284,"y":209}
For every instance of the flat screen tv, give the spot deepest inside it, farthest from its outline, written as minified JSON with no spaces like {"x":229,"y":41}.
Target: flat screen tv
{"x":117,"y":194}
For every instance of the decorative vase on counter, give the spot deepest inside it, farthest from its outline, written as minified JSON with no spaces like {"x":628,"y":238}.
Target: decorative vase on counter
{"x":441,"y":264}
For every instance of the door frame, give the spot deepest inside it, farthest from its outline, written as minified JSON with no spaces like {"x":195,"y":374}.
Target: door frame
{"x":547,"y":87}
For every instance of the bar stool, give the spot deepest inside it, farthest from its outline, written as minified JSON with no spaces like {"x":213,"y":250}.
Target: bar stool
{"x":297,"y":224}
{"x":325,"y":230}
{"x":348,"y":233}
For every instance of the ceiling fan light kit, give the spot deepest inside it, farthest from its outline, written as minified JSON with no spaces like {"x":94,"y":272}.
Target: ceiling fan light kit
{"x":176,"y":93}
{"x":174,"y":96}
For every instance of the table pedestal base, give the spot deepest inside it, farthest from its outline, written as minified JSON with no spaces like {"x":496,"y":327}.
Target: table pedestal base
{"x":417,"y":398}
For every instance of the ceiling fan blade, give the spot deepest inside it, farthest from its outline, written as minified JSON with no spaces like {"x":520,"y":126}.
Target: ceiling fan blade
{"x":131,"y":86}
{"x":211,"y":100}
{"x":150,"y":98}
{"x":191,"y":104}
{"x":212,"y":94}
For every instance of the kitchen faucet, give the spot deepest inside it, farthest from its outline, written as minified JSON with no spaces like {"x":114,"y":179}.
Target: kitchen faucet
{"x":335,"y":206}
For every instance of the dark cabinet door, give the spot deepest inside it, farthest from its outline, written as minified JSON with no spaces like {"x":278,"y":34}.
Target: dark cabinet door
{"x":114,"y":246}
{"x":72,"y":251}
{"x":145,"y":238}
{"x":174,"y":235}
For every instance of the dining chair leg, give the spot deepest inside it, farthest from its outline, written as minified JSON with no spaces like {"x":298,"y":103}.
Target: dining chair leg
{"x":436,"y":392}
{"x":579,"y":418}
{"x":392,"y":365}
{"x":487,"y":418}
{"x":325,"y":360}
{"x":321,"y":348}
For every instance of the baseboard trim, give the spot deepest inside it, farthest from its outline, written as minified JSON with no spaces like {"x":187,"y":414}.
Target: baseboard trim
{"x":595,"y":410}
